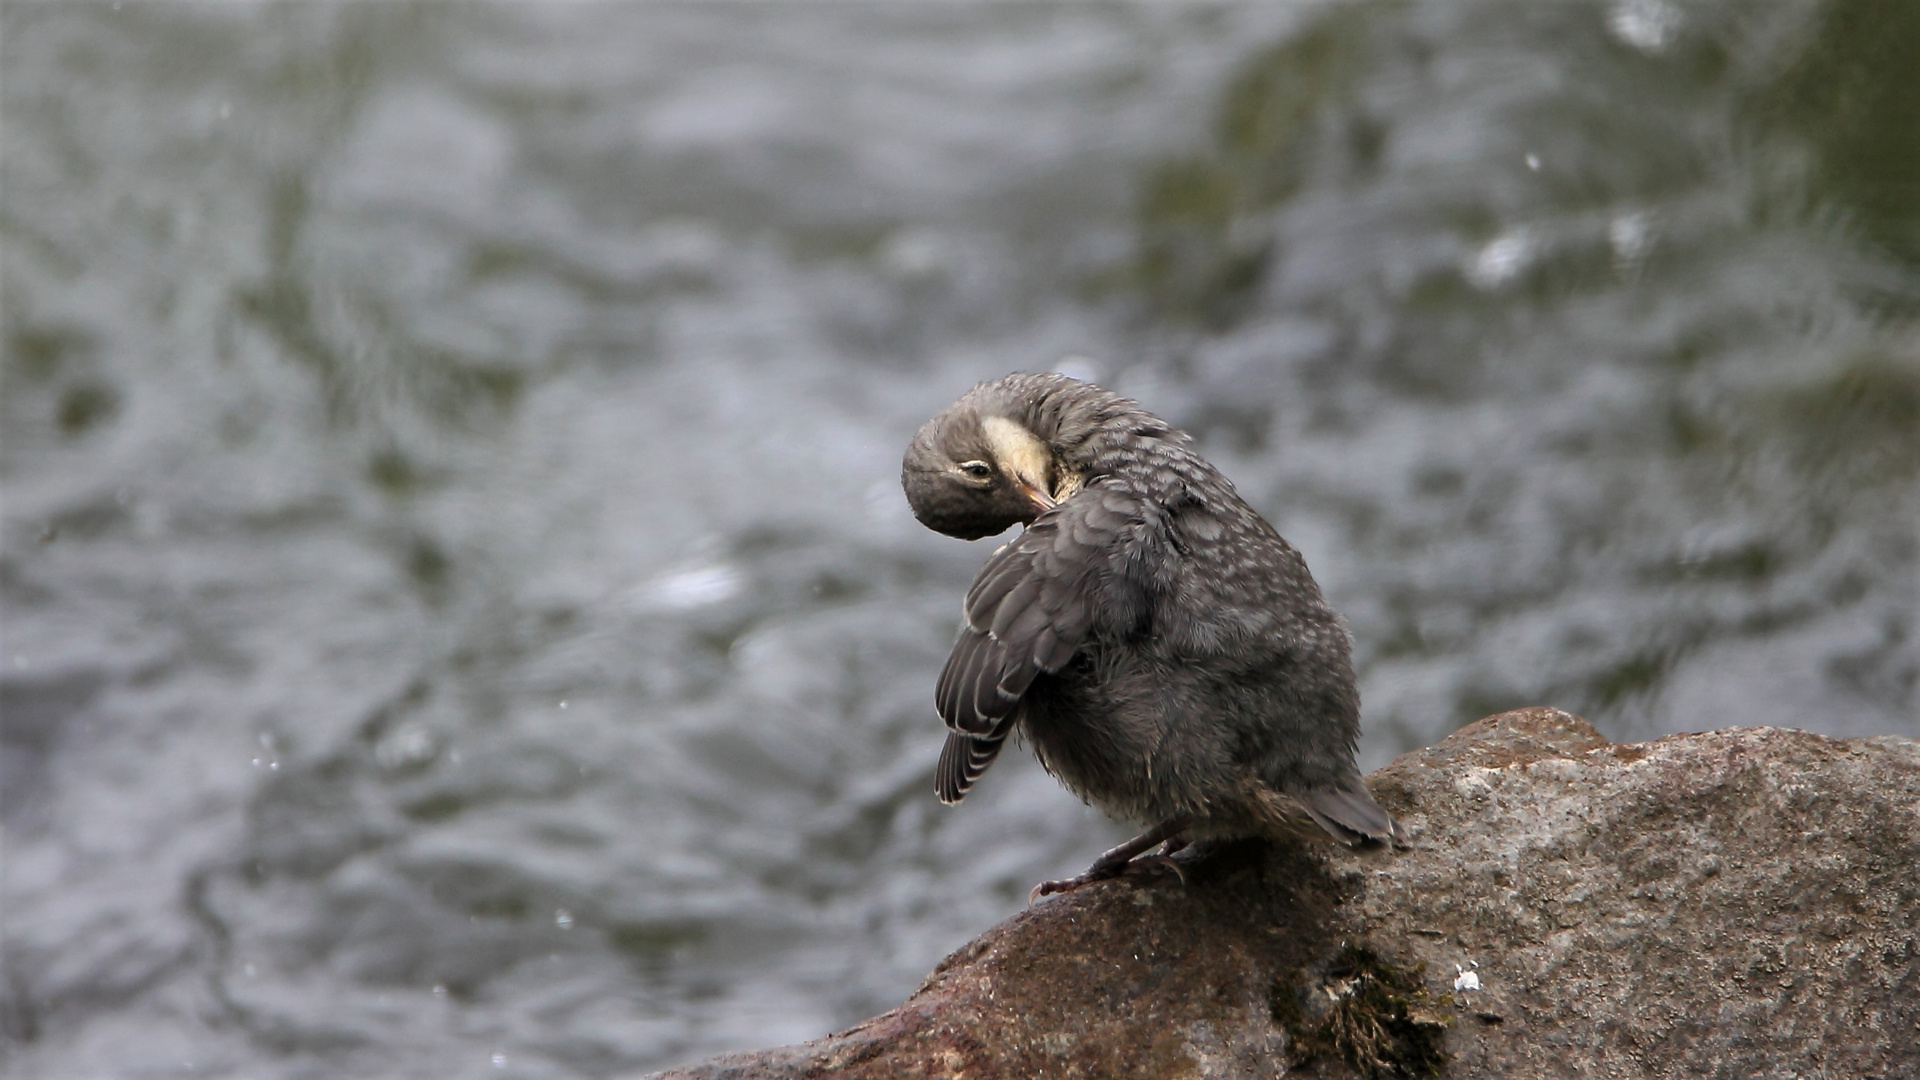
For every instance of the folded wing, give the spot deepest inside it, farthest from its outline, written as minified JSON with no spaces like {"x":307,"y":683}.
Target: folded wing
{"x":1028,"y":613}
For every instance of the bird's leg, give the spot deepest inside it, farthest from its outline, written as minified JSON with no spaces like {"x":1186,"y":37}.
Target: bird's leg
{"x":1115,"y":862}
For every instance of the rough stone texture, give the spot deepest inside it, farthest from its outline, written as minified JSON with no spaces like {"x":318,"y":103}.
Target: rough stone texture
{"x":1740,"y":903}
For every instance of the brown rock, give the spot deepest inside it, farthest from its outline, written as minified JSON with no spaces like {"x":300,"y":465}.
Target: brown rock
{"x":1739,"y":903}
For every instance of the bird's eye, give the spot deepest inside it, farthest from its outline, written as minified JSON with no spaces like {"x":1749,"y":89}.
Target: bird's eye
{"x":978,"y":470}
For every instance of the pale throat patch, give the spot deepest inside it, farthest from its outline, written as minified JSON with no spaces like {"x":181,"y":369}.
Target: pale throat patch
{"x":1021,"y":452}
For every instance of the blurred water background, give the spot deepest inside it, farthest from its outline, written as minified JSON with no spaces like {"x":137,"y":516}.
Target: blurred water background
{"x":460,"y":615}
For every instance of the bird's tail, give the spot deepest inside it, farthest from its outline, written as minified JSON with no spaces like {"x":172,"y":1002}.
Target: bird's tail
{"x":1351,"y":815}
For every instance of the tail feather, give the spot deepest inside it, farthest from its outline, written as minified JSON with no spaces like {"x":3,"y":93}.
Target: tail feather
{"x":1351,"y":815}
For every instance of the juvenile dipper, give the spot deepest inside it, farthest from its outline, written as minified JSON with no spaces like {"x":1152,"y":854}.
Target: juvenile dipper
{"x":1164,"y":650}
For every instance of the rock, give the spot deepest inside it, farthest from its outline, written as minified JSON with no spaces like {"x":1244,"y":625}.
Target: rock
{"x":1738,"y":903}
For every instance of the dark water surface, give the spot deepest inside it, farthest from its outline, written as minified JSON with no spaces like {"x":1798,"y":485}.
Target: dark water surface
{"x":460,"y":616}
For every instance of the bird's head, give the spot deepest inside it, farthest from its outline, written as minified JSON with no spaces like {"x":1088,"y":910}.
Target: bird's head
{"x":971,"y":473}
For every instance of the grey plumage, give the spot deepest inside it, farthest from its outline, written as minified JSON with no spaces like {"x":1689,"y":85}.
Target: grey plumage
{"x":1165,"y":651}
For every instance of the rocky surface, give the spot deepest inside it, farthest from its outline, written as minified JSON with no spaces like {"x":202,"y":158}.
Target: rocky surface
{"x":1738,"y":903}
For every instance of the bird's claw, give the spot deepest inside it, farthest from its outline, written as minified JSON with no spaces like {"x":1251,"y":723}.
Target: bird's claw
{"x":1099,"y":872}
{"x":1048,"y":888}
{"x":1096,"y":872}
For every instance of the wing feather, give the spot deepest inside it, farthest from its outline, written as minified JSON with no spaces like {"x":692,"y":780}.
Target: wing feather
{"x":1021,"y":600}
{"x":989,"y":702}
{"x":964,"y":758}
{"x":974,"y":657}
{"x":1029,"y":612}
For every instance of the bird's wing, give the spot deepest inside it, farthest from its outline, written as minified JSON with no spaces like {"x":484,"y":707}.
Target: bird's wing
{"x":965,"y":757}
{"x":1034,"y":602}
{"x":1028,"y":612}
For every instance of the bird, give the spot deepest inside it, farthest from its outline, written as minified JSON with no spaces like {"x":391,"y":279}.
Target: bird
{"x":1154,"y":639}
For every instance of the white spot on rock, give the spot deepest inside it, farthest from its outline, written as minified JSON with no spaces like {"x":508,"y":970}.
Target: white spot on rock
{"x":1474,"y":783}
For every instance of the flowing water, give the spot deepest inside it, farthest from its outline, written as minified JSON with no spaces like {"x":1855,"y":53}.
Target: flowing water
{"x":460,"y":615}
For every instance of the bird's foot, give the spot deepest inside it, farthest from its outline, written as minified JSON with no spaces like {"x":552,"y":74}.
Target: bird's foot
{"x":1120,"y":859}
{"x":1063,"y":885}
{"x":1100,"y":872}
{"x":1167,"y":862}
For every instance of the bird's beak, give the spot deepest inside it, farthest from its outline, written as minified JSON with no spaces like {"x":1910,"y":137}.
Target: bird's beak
{"x":1042,"y":502}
